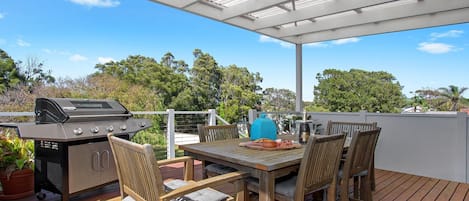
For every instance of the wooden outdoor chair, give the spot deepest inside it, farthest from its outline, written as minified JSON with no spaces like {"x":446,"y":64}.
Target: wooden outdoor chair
{"x":215,"y":133}
{"x":349,"y":128}
{"x":358,"y":164}
{"x":334,"y":127}
{"x":318,"y":171}
{"x":140,"y":177}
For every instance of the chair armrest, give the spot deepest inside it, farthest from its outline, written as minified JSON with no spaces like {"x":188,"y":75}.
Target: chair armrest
{"x":174,"y":160}
{"x":206,"y":183}
{"x":188,"y":165}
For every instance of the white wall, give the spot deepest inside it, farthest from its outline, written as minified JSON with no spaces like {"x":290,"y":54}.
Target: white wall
{"x":432,"y":145}
{"x":426,"y":145}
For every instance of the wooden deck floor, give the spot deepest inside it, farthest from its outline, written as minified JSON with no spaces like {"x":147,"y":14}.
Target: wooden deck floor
{"x":389,"y":186}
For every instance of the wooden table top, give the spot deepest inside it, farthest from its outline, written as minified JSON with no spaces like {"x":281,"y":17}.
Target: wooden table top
{"x":229,"y":150}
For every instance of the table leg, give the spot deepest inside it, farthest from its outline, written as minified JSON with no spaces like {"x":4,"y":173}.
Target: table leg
{"x":267,"y":186}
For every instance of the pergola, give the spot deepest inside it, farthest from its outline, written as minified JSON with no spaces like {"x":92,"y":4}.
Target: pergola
{"x":308,"y":21}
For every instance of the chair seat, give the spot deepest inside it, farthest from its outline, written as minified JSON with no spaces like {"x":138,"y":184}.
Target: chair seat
{"x":200,"y":195}
{"x":360,"y":174}
{"x":219,"y":169}
{"x":284,"y":186}
{"x":206,"y":194}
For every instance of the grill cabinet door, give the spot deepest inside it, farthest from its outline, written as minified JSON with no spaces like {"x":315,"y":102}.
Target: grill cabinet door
{"x":90,"y":165}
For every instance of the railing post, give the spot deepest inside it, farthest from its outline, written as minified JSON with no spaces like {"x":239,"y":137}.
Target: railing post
{"x":363,"y":115}
{"x":251,"y":115}
{"x":171,"y":153}
{"x":212,"y":117}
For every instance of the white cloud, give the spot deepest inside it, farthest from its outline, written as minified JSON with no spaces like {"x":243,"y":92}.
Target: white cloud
{"x":97,"y":3}
{"x":345,"y":41}
{"x":77,"y":58}
{"x":448,"y":34}
{"x":435,"y":48}
{"x":317,"y":44}
{"x":267,"y":39}
{"x":58,"y":52}
{"x":22,"y":43}
{"x":103,"y":60}
{"x":2,"y":16}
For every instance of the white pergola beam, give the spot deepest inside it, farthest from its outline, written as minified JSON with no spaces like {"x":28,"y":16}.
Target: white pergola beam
{"x":312,"y":12}
{"x":372,"y":16}
{"x":176,"y":3}
{"x":249,"y":7}
{"x":423,"y":21}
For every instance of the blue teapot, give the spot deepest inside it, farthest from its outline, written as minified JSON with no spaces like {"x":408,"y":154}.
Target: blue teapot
{"x":263,"y":127}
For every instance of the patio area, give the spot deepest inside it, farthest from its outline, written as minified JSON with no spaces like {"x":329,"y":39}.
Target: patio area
{"x":389,"y":186}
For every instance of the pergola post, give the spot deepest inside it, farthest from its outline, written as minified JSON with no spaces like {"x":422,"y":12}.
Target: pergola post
{"x":299,"y":78}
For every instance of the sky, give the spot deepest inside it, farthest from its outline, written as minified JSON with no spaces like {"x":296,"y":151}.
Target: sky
{"x":71,"y":36}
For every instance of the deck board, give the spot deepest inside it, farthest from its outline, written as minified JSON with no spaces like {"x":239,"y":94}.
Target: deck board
{"x":389,"y":186}
{"x":384,"y":191}
{"x":423,"y":191}
{"x":436,"y":190}
{"x":460,"y":192}
{"x":447,"y":193}
{"x":409,"y":192}
{"x":397,"y":191}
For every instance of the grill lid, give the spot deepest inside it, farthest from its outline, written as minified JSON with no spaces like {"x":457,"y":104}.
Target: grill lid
{"x":61,"y":110}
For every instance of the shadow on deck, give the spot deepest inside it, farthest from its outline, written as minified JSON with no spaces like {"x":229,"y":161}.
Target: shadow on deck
{"x":389,"y":186}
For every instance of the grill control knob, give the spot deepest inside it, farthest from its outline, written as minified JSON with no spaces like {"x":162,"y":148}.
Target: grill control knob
{"x":123,"y":127}
{"x":77,"y":131}
{"x":110,"y":129}
{"x":95,"y":130}
{"x":142,"y":124}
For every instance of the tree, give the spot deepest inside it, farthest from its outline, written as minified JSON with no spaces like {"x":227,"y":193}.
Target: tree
{"x":178,"y":66}
{"x":357,"y":90}
{"x":33,"y":75}
{"x":205,"y":80}
{"x":9,"y":72}
{"x":162,"y":80}
{"x":239,"y":92}
{"x":452,"y":96}
{"x":278,"y":100}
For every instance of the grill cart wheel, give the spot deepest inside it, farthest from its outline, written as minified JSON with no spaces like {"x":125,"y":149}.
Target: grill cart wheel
{"x":40,"y":196}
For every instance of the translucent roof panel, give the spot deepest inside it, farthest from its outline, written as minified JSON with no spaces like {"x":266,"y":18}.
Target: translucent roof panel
{"x":307,"y":21}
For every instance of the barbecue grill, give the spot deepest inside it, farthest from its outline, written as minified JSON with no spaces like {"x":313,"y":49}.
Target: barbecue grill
{"x":72,"y":154}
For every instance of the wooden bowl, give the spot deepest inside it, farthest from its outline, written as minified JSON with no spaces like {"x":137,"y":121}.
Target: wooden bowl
{"x":269,"y":144}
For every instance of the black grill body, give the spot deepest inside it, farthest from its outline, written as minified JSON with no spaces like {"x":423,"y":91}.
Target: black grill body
{"x":72,"y":154}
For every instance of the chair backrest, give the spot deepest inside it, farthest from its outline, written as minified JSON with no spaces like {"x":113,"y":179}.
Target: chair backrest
{"x":137,"y":169}
{"x":218,"y":132}
{"x":334,"y":127}
{"x":320,"y":163}
{"x":360,"y":153}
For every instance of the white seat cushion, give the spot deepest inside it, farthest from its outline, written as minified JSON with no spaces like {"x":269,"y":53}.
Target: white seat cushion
{"x":219,"y":169}
{"x":206,"y":194}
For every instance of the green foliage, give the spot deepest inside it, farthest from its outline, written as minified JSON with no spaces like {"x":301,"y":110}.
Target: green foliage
{"x":239,"y":92}
{"x":278,"y":100}
{"x":15,"y":153}
{"x":165,"y":81}
{"x":418,"y":101}
{"x":9,"y":72}
{"x":445,"y":99}
{"x":33,"y":73}
{"x":452,"y":96}
{"x":311,"y":107}
{"x":357,"y":90}
{"x":205,"y":81}
{"x":149,"y":138}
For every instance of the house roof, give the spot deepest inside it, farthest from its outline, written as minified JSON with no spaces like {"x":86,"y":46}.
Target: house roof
{"x":308,"y":21}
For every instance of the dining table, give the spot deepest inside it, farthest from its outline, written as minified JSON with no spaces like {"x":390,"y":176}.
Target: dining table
{"x":265,"y":165}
